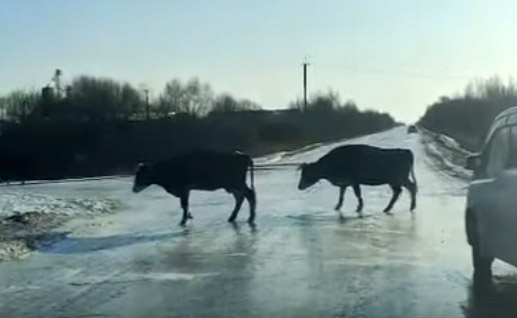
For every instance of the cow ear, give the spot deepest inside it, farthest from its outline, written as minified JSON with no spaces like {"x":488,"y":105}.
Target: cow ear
{"x":303,"y":165}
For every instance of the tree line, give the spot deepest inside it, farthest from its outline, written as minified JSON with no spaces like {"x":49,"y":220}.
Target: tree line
{"x":467,"y":117}
{"x":99,"y":126}
{"x":100,"y":99}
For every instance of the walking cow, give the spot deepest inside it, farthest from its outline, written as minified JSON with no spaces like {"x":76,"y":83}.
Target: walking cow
{"x":353,"y":165}
{"x":201,"y":170}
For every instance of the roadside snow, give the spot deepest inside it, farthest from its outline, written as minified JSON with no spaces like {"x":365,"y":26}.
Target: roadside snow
{"x":13,"y":249}
{"x":446,"y":153}
{"x":14,"y":203}
{"x":448,"y":166}
{"x":27,"y":217}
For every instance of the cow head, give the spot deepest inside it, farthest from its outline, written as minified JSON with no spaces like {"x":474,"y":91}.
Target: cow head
{"x":144,"y":177}
{"x":309,"y":175}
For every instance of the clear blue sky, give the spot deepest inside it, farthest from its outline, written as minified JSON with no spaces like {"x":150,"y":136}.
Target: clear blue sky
{"x":392,"y":55}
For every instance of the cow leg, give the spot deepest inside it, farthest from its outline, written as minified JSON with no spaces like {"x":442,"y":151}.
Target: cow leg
{"x":411,"y":186}
{"x":396,"y":193}
{"x":341,"y":197}
{"x":357,"y":191}
{"x":184,"y":206}
{"x":252,"y":200}
{"x":239,"y":198}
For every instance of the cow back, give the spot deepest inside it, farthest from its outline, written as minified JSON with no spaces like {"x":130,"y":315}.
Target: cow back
{"x":364,"y":164}
{"x":204,"y":170}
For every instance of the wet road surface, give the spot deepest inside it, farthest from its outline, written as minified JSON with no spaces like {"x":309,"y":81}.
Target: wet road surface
{"x":300,"y":260}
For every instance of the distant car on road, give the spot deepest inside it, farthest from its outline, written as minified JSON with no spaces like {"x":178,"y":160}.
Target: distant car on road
{"x":412,"y":129}
{"x":491,"y":213}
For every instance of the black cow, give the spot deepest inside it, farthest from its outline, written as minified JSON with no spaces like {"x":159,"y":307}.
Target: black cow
{"x":353,"y":165}
{"x":201,"y":170}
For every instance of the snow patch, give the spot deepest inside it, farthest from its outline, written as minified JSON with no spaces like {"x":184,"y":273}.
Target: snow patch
{"x":16,"y":203}
{"x":26,"y":218}
{"x":282,"y":155}
{"x":271,"y":158}
{"x":13,"y":249}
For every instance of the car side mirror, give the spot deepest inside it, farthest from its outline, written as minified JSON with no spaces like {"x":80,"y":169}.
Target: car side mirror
{"x":473,"y":162}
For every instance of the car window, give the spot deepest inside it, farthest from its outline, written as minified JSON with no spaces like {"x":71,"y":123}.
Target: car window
{"x":498,"y":152}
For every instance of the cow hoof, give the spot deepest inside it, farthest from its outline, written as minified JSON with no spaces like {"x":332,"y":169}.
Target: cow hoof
{"x":190,"y":216}
{"x":387,"y":211}
{"x":231,"y":220}
{"x":183,"y":222}
{"x":251,"y":221}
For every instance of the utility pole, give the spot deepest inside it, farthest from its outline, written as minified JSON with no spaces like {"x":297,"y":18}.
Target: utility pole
{"x":147,"y":114}
{"x":305,"y":64}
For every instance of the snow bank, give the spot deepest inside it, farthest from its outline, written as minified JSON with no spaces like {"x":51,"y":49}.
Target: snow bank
{"x":445,"y":163}
{"x":282,"y":155}
{"x":449,"y":142}
{"x":447,"y":153}
{"x":273,"y":158}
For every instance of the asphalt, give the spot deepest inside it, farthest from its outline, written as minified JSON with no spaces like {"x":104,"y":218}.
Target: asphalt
{"x":300,"y":260}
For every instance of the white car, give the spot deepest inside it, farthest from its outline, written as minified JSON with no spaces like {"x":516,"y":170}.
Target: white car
{"x":491,"y":214}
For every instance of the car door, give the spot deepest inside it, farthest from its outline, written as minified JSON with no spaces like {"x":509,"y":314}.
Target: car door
{"x":486,"y":189}
{"x":504,"y":225}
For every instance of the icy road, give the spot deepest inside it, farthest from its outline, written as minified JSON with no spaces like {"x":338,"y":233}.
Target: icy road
{"x":300,"y":260}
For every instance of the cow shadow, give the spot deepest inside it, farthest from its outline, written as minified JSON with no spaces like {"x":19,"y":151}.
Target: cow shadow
{"x":81,"y":245}
{"x":251,"y":227}
{"x":330,"y":217}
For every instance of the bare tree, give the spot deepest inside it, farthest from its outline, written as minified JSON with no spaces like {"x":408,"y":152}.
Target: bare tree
{"x":171,"y":98}
{"x":19,"y":104}
{"x":198,"y":97}
{"x":192,"y":98}
{"x":226,"y":103}
{"x":103,"y":98}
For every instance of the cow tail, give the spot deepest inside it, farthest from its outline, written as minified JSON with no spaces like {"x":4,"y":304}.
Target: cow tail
{"x":413,"y":175}
{"x":251,"y":174}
